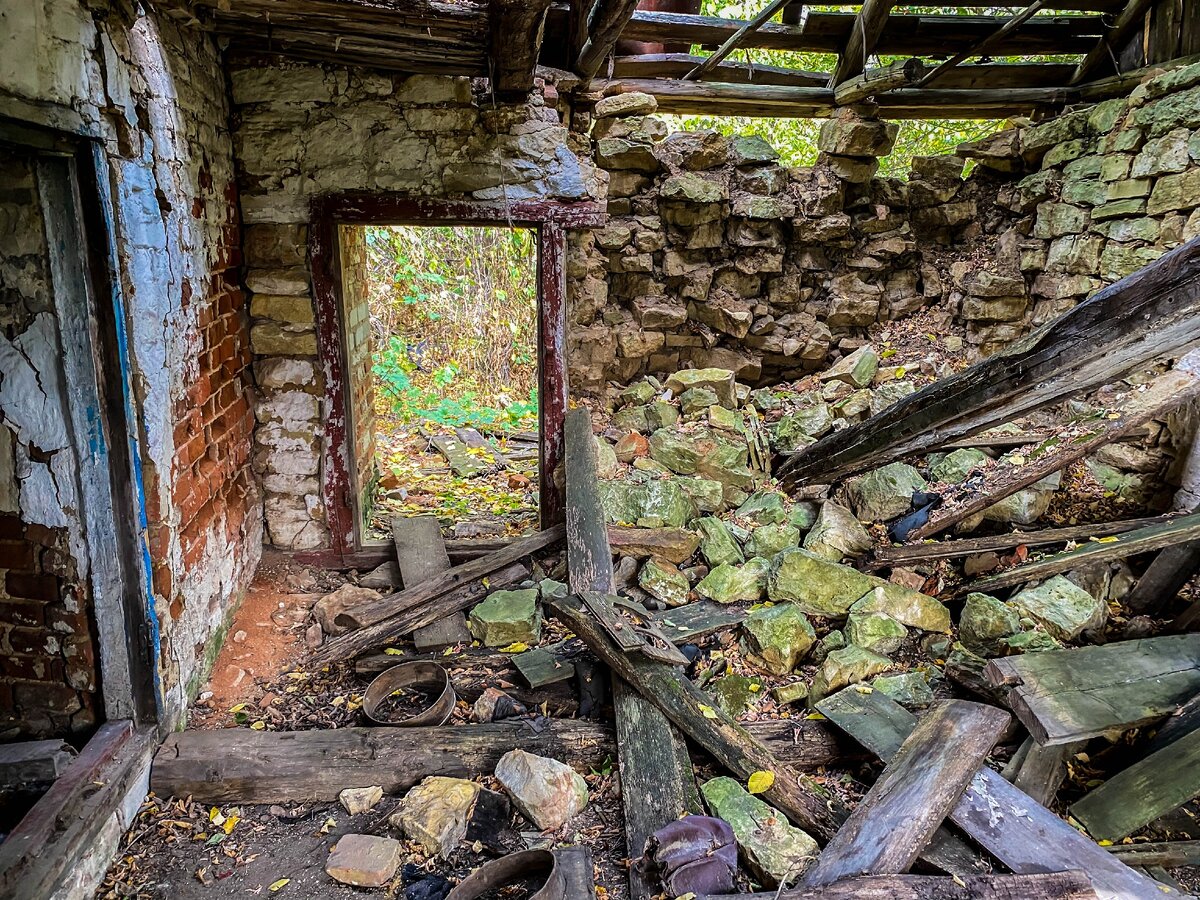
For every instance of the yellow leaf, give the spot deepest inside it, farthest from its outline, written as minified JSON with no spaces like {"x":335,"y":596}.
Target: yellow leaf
{"x":901,"y":372}
{"x":515,"y":647}
{"x":814,"y":716}
{"x":1111,"y":539}
{"x":1105,"y":843}
{"x":708,"y":712}
{"x":258,"y":726}
{"x":760,"y":782}
{"x":230,"y":823}
{"x":393,"y":651}
{"x":755,"y":688}
{"x":214,"y":816}
{"x":276,"y":885}
{"x":1016,"y":460}
{"x":238,"y":708}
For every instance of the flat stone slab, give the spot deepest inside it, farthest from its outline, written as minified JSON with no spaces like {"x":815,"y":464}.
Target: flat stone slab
{"x":364,"y":860}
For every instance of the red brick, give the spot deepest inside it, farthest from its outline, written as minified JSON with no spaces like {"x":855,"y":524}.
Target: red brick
{"x":22,"y":612}
{"x":11,"y":528}
{"x":32,"y":587}
{"x":16,"y":555}
{"x":32,"y":668}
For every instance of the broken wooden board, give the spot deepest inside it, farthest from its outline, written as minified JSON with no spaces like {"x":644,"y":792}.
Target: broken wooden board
{"x":1135,"y":797}
{"x":1005,"y":477}
{"x":1179,"y":530}
{"x":1169,"y":854}
{"x":919,"y":786}
{"x":462,"y":463}
{"x":1040,"y":771}
{"x":1023,"y":835}
{"x":1069,"y":695}
{"x":1163,"y":579}
{"x":33,"y":763}
{"x":487,"y":452}
{"x":904,"y":555}
{"x":1070,"y":885}
{"x":541,"y":666}
{"x":574,"y":863}
{"x":424,"y":604}
{"x":421,"y":554}
{"x":697,"y":619}
{"x":1150,"y":314}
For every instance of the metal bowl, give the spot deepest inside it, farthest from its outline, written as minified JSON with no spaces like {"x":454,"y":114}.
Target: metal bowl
{"x":429,"y":675}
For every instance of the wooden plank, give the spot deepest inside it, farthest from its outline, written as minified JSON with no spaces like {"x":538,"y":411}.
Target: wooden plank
{"x":541,"y":667}
{"x":904,"y":555}
{"x":909,"y":800}
{"x":981,"y":47}
{"x":1179,"y":530}
{"x":1165,"y":577}
{"x":421,"y":554}
{"x":899,"y":74}
{"x":462,"y":463}
{"x":476,"y":441}
{"x":656,"y":771}
{"x":1153,"y":313}
{"x":731,"y":43}
{"x":575,"y":864}
{"x":863,"y":37}
{"x":1170,"y":854}
{"x":1071,"y":885}
{"x":608,"y":21}
{"x":1023,"y":835}
{"x":676,"y":65}
{"x":1069,"y":695}
{"x":516,"y":41}
{"x":1042,"y":770}
{"x":424,"y":604}
{"x":1002,"y":479}
{"x":33,"y":762}
{"x":1135,"y":797}
{"x":1113,"y":40}
{"x":552,"y":368}
{"x":237,"y":765}
{"x":684,"y":624}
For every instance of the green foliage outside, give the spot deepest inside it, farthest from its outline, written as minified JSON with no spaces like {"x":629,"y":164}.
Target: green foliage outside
{"x":454,"y":323}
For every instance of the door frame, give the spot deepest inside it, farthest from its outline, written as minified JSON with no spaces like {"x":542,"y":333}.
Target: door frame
{"x":550,"y":220}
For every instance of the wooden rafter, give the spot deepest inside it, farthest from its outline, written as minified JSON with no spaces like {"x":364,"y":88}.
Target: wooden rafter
{"x":676,"y":65}
{"x":608,"y":21}
{"x":878,"y":81}
{"x":981,"y":47}
{"x":736,"y":38}
{"x":516,"y":42}
{"x":861,"y":42}
{"x":1114,"y":38}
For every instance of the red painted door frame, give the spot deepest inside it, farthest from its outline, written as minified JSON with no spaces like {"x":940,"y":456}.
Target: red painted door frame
{"x":549,"y":219}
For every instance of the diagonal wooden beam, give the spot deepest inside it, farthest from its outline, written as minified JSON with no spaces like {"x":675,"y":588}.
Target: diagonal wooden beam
{"x":991,"y":40}
{"x":1107,"y":48}
{"x":608,"y":20}
{"x":516,"y":42}
{"x":864,"y":36}
{"x":736,"y":38}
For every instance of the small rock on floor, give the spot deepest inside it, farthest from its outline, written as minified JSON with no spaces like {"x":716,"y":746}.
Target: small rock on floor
{"x":364,"y":860}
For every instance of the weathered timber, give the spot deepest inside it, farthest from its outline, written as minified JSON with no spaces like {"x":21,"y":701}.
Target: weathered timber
{"x":691,"y":710}
{"x":421,"y":554}
{"x":1175,"y":531}
{"x":1163,"y":579}
{"x":995,"y":440}
{"x":909,"y":800}
{"x":864,"y":35}
{"x":37,"y":856}
{"x":651,"y":754}
{"x":676,"y":65}
{"x":1069,"y":695}
{"x":1112,"y":42}
{"x":516,"y":41}
{"x":878,"y":81}
{"x":735,"y":40}
{"x":981,"y":47}
{"x":904,"y":555}
{"x":541,"y":666}
{"x":462,"y":463}
{"x":1040,"y":771}
{"x":32,"y":763}
{"x":1135,"y":797}
{"x":1002,"y":479}
{"x":243,"y":766}
{"x":575,"y":864}
{"x":424,"y":604}
{"x":1153,"y":313}
{"x":609,"y":18}
{"x":1121,"y":85}
{"x":1023,"y":835}
{"x":673,"y":544}
{"x":1169,"y":854}
{"x":1071,"y":885}
{"x":1184,"y":721}
{"x":696,"y":619}
{"x":476,"y":441}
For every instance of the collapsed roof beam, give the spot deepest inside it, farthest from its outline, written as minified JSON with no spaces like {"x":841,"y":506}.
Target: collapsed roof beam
{"x":901,"y":73}
{"x":980,"y":48}
{"x":864,"y":36}
{"x":516,"y":42}
{"x":609,"y":18}
{"x":1109,"y":46}
{"x":736,"y":38}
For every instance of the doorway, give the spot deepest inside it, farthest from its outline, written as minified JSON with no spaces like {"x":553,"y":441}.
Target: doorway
{"x":452,"y":315}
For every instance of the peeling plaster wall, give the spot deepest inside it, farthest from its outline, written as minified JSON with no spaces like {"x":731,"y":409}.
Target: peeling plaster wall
{"x":154,"y":93}
{"x":302,"y":131}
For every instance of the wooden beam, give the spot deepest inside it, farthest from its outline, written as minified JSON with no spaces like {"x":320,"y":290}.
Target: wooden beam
{"x":1153,"y":313}
{"x":1040,"y":771}
{"x":1072,"y":885}
{"x":609,"y":19}
{"x":1179,"y":530}
{"x":1120,"y":85}
{"x":1002,"y":479}
{"x":415,"y":607}
{"x":553,"y":392}
{"x":1109,"y":47}
{"x":899,"y":74}
{"x":1168,"y":854}
{"x":864,"y":36}
{"x":1069,"y":695}
{"x":1163,"y":579}
{"x":735,"y":40}
{"x":980,"y":48}
{"x":906,"y":555}
{"x":421,"y":553}
{"x":907,"y":803}
{"x":656,"y":772}
{"x":1023,"y":835}
{"x":1136,"y":796}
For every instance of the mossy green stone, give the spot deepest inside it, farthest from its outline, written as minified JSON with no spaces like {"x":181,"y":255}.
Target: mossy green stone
{"x":663,"y":581}
{"x":780,"y":635}
{"x":731,"y":584}
{"x":506,"y":617}
{"x":816,"y":585}
{"x":875,"y":631}
{"x":774,"y":849}
{"x":985,"y":622}
{"x":953,"y":468}
{"x":847,"y":666}
{"x":836,"y":534}
{"x":1061,"y":608}
{"x":735,"y":694}
{"x":885,"y":493}
{"x":907,"y":689}
{"x":768,"y":540}
{"x":908,"y":607}
{"x":717,"y":544}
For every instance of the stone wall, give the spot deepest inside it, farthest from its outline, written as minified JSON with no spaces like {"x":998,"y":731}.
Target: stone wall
{"x":303,"y":131}
{"x":153,"y":94}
